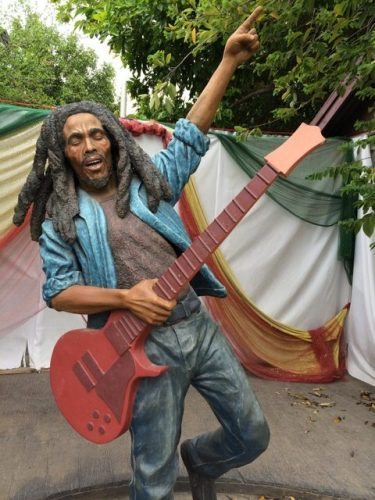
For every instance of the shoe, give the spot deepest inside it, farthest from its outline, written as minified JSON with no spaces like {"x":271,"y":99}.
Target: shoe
{"x":202,"y":488}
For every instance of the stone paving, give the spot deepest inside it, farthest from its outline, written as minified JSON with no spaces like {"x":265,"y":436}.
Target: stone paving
{"x":322,"y":445}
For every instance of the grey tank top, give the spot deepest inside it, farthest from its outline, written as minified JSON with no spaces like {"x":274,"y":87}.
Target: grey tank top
{"x":138,"y":250}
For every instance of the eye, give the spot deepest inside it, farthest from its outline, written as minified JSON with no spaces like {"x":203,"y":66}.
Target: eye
{"x":99,"y":135}
{"x":74,"y":140}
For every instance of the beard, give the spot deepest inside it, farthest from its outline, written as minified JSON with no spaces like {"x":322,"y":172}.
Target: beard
{"x":101,"y":182}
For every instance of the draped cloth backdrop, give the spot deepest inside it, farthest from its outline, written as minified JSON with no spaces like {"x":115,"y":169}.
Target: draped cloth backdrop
{"x":285,"y":273}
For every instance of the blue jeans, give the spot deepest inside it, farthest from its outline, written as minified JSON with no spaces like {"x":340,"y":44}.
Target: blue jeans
{"x":197,"y":353}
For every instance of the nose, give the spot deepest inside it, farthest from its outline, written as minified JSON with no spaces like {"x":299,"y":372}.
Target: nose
{"x":89,"y":145}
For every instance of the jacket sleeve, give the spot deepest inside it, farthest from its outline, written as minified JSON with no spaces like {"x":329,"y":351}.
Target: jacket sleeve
{"x":60,"y":264}
{"x":182,"y":156}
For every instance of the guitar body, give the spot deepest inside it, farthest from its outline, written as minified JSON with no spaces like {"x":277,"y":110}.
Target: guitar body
{"x":93,"y":386}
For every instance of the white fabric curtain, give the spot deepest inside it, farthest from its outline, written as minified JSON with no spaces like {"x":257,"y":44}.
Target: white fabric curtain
{"x":287,"y":267}
{"x":27,"y":325}
{"x":360,"y":325}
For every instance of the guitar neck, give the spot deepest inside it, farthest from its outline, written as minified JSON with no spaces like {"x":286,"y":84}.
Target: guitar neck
{"x":179,"y":274}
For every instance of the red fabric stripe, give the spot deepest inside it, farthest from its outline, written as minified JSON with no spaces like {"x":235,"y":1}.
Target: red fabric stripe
{"x":322,"y":349}
{"x":13,"y":231}
{"x":151,"y":128}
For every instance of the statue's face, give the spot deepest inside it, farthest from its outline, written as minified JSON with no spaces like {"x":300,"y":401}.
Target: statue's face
{"x":88,"y":151}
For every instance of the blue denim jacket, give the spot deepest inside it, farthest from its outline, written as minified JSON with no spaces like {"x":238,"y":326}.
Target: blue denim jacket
{"x":89,"y":261}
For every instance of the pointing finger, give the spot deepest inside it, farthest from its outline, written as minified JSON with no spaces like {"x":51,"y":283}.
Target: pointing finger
{"x":248,"y":23}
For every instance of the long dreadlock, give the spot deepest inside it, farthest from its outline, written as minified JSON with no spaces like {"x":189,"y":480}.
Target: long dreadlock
{"x":51,"y":185}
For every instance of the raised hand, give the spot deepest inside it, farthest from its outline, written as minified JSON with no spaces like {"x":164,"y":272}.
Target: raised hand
{"x":240,"y":46}
{"x":244,"y":42}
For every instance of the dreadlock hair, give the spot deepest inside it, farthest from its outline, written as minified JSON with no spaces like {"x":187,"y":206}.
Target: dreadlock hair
{"x":51,"y":184}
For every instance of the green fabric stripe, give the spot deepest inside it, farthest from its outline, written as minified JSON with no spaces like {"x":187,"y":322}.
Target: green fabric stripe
{"x":347,"y":238}
{"x":16,"y":117}
{"x":316,"y":202}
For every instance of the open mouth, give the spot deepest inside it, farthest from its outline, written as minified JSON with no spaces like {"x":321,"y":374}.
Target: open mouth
{"x":93,"y":164}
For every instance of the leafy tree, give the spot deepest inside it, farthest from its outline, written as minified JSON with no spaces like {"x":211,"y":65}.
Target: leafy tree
{"x":38,"y":65}
{"x":358,"y":185}
{"x":308,"y":47}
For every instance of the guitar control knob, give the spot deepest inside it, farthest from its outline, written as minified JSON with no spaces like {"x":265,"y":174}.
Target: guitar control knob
{"x":107,"y":419}
{"x":90,"y":426}
{"x":96,"y":414}
{"x":101,"y":430}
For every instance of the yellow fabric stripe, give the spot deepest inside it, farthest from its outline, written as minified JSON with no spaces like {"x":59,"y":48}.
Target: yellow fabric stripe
{"x":280,"y":345}
{"x":16,"y":156}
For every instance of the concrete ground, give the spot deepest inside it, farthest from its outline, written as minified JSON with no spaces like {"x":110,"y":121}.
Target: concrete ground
{"x":322,"y":445}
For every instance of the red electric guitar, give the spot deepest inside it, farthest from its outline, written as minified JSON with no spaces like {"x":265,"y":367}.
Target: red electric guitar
{"x":94,"y":373}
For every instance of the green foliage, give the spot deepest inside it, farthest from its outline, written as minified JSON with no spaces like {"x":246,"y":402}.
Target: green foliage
{"x":39,"y":66}
{"x":242,"y":133}
{"x":307,"y":48}
{"x":358,"y":183}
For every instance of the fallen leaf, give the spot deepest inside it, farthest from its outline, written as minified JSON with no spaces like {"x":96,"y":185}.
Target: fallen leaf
{"x":298,"y":395}
{"x":368,"y":400}
{"x":304,"y":400}
{"x":318,"y":393}
{"x":329,"y":404}
{"x":366,"y":395}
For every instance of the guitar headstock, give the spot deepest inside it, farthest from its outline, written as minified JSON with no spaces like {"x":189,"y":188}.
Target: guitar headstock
{"x":303,"y":141}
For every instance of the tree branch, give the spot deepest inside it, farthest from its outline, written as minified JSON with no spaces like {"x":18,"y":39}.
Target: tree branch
{"x":262,"y":90}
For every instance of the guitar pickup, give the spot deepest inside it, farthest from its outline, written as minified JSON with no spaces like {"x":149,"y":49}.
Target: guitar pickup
{"x":88,"y":380}
{"x":83,"y":376}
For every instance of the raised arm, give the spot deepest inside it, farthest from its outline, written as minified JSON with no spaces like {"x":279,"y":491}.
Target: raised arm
{"x":240,"y":46}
